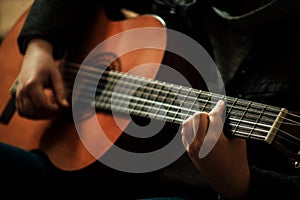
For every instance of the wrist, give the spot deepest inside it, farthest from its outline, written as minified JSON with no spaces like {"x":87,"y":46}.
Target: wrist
{"x":40,"y":45}
{"x":46,"y":47}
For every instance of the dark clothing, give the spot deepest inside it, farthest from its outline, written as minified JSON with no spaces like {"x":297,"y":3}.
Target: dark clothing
{"x":258,"y":56}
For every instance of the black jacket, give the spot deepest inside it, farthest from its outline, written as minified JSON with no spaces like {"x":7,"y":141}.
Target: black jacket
{"x":257,"y":53}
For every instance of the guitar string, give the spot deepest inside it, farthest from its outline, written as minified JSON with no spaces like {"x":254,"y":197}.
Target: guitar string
{"x":172,"y":117}
{"x":168,"y":105}
{"x":242,"y":131}
{"x":127,"y":98}
{"x":249,"y":110}
{"x":244,"y":134}
{"x":199,"y":93}
{"x":236,"y":106}
{"x":243,"y":103}
{"x":139,"y":79}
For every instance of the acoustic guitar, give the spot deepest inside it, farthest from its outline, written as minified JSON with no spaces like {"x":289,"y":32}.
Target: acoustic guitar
{"x":158,"y":100}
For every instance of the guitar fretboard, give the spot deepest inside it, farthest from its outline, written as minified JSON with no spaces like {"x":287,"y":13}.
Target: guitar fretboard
{"x":144,"y":97}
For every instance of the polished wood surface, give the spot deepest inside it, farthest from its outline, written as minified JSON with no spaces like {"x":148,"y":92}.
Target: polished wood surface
{"x":58,"y":137}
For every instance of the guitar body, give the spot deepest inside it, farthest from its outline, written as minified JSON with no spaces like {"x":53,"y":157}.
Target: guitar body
{"x":58,"y":137}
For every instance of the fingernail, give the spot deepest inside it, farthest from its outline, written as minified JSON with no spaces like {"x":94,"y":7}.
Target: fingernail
{"x":185,"y":143}
{"x":195,"y":124}
{"x":220,"y":102}
{"x":65,"y":103}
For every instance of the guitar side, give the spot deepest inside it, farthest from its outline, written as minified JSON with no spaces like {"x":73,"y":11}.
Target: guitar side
{"x":58,"y":137}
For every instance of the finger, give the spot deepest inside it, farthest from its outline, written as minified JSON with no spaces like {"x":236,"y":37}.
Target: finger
{"x":200,"y":122}
{"x":218,"y":109}
{"x":187,"y":132}
{"x":24,"y":106}
{"x":40,"y":101}
{"x":59,"y":89}
{"x":215,"y":128}
{"x":194,"y":130}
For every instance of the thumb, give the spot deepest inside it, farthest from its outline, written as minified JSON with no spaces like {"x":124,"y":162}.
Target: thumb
{"x":59,"y":88}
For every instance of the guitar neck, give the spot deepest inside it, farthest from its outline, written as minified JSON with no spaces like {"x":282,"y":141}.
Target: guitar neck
{"x":126,"y":93}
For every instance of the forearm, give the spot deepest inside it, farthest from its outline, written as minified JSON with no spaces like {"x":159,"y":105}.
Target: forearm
{"x":60,"y":22}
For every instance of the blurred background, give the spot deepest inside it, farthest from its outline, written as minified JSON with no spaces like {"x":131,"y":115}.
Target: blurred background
{"x":10,"y":11}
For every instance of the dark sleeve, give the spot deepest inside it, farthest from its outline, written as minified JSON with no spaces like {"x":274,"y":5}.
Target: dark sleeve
{"x":271,"y":185}
{"x":58,"y":21}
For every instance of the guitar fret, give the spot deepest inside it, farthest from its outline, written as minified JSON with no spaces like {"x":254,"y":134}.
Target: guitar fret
{"x":204,"y":107}
{"x":162,"y":112}
{"x":231,"y":107}
{"x":120,"y":98}
{"x":155,"y":114}
{"x":257,"y":120}
{"x":102,"y":100}
{"x":182,"y":99}
{"x":135,"y":103}
{"x":237,"y":128}
{"x":172,"y":102}
{"x":153,"y":95}
{"x":190,"y":104}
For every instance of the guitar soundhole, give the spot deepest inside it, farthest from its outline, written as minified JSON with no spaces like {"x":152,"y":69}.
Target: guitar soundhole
{"x":101,"y":64}
{"x":105,"y":60}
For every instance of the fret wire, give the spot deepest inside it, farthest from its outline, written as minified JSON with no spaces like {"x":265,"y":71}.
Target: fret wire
{"x":258,"y":118}
{"x":183,"y":102}
{"x":109,"y":86}
{"x":129,"y":90}
{"x":153,"y":95}
{"x":145,"y":95}
{"x":134,"y":87}
{"x":112,"y":87}
{"x":241,"y":134}
{"x":194,"y":103}
{"x":105,"y":95}
{"x":250,"y":131}
{"x":263,"y":119}
{"x":165,"y":103}
{"x":173,"y":101}
{"x":206,"y":102}
{"x":230,"y":109}
{"x":159,"y":101}
{"x":241,"y":118}
{"x":164,"y":111}
{"x":156,"y":112}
